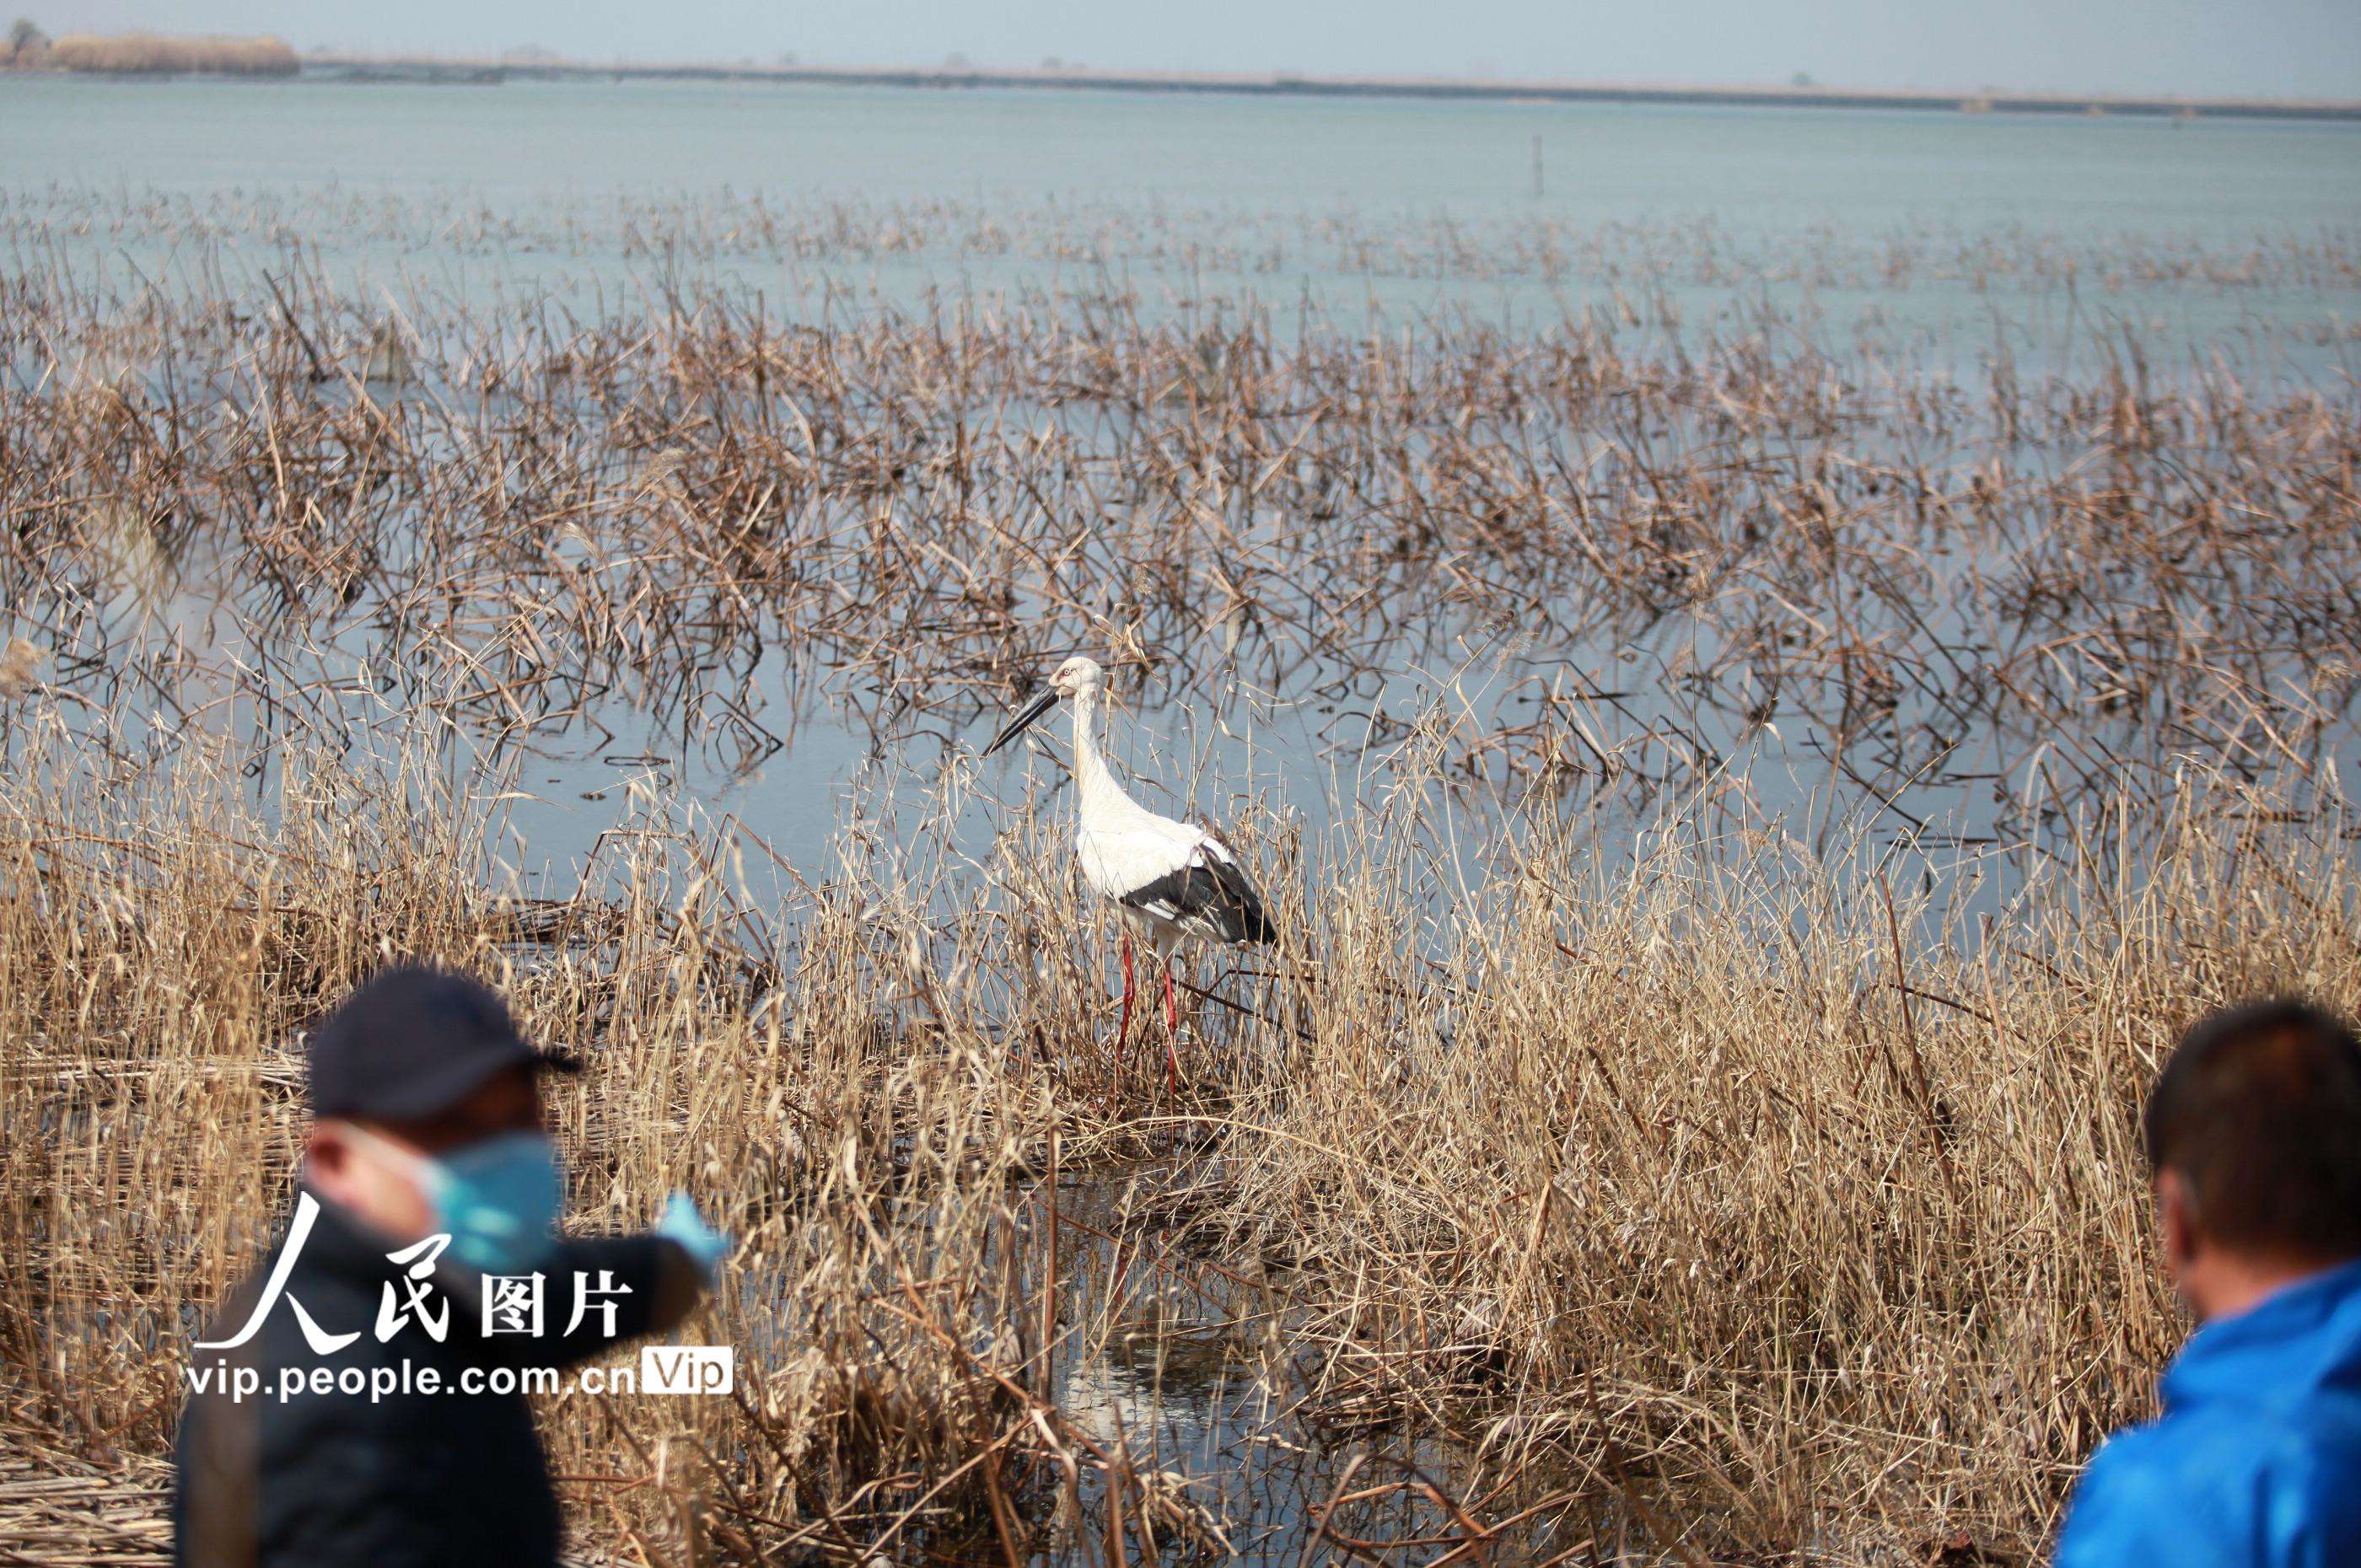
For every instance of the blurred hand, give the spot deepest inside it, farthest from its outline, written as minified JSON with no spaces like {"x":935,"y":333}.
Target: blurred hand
{"x":687,"y":1229}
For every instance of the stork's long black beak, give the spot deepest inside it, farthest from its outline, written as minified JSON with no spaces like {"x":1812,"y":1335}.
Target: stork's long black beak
{"x":1023,"y":719}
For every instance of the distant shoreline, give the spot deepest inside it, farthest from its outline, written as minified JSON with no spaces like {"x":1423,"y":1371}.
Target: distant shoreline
{"x":491,"y":71}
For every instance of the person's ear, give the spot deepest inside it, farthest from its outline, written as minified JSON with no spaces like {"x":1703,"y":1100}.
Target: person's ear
{"x":325,"y":1146}
{"x":2176,"y":1223}
{"x":329,"y":1158}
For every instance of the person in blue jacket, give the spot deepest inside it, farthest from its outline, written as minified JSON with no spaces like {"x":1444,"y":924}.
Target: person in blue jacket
{"x":2253,"y":1139}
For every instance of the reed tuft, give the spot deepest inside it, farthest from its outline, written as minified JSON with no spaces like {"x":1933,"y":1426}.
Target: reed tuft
{"x":157,"y":54}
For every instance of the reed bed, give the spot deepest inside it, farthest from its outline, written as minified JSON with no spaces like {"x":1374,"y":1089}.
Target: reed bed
{"x":159,"y":54}
{"x":1686,"y":1196}
{"x":2038,"y":583}
{"x":1757,"y":1185}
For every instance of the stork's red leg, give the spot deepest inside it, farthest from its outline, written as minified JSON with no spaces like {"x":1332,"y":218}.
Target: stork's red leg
{"x":1172,"y":1035}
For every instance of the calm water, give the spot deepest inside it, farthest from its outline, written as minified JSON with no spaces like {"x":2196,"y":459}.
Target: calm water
{"x":588,"y":193}
{"x":594,"y":194}
{"x":1319,"y":211}
{"x":1831,"y":187}
{"x":525,"y":143}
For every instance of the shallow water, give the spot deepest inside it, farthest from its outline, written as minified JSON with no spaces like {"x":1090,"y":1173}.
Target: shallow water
{"x":1918,"y":243}
{"x":536,"y":186}
{"x":1175,"y":1367}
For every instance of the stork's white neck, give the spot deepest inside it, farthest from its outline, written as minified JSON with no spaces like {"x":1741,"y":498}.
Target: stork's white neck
{"x":1089,"y":768}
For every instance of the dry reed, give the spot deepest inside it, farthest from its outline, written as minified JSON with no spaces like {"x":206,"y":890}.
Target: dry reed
{"x":1699,"y":1175}
{"x":2081,"y":576}
{"x":157,"y":54}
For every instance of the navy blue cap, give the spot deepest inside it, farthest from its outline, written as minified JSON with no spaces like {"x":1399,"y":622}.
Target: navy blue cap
{"x":413,"y":1040}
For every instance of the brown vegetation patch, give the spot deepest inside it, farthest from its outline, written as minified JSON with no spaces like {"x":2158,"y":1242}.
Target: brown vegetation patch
{"x":159,"y":54}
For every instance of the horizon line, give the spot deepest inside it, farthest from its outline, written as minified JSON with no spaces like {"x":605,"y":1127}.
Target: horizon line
{"x":1981,"y":100}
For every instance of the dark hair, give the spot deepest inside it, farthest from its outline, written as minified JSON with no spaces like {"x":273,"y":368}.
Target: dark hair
{"x":2259,"y":1113}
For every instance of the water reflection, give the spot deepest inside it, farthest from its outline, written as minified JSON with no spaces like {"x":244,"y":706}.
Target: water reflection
{"x":1194,"y":1376}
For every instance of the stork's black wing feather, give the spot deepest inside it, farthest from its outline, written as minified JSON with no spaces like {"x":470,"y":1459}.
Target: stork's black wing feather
{"x":1209,"y":896}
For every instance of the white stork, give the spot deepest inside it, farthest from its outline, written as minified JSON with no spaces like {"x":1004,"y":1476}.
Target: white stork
{"x":1166,"y":880}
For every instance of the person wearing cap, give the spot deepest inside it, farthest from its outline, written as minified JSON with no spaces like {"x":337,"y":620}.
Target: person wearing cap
{"x":2253,"y":1136}
{"x":378,"y":1355}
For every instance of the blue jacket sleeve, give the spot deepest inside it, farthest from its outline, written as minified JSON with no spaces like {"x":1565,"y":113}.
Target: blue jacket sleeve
{"x":2185,"y":1494}
{"x":2122,"y":1513}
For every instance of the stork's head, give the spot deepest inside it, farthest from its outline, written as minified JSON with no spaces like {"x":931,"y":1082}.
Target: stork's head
{"x":1077,"y":677}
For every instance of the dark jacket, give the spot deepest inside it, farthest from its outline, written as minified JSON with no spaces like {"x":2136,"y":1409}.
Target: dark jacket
{"x":2256,"y":1459}
{"x":439,"y":1480}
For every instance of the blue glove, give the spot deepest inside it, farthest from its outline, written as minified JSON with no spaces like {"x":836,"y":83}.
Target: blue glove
{"x":684,"y":1227}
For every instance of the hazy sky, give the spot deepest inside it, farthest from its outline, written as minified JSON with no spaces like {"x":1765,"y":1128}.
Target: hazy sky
{"x":2273,"y":47}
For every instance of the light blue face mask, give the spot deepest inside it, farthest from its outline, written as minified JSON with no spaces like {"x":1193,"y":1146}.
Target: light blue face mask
{"x":498,"y":1198}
